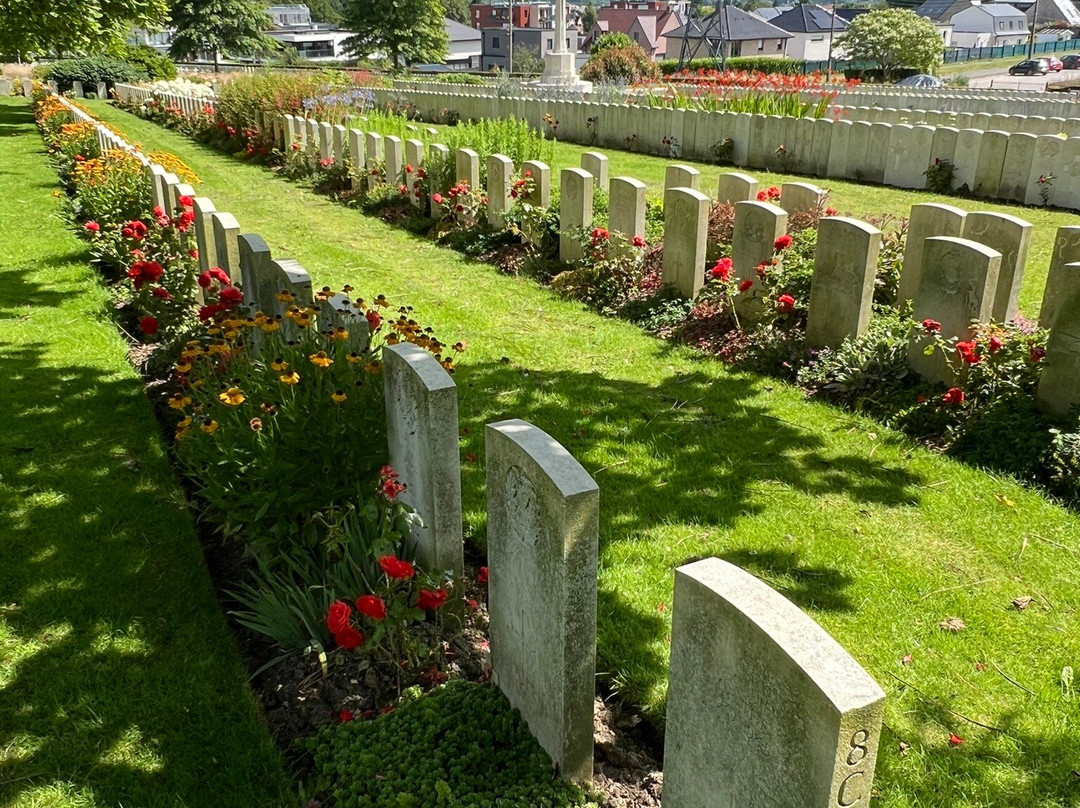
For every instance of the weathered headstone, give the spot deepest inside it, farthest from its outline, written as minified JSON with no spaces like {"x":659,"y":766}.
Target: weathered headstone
{"x":757,"y":227}
{"x":255,"y":260}
{"x":838,"y":149}
{"x":682,"y":176}
{"x":798,"y":197}
{"x":154,"y":174}
{"x":285,"y":275}
{"x":734,"y":186}
{"x":597,"y":165}
{"x":467,"y":167}
{"x":927,"y":219}
{"x":500,"y":176}
{"x":575,"y":210}
{"x":1059,"y":383}
{"x":543,"y":528}
{"x":1010,"y":236}
{"x":373,"y":150}
{"x":1016,"y":170}
{"x":944,"y":144}
{"x":966,"y":158}
{"x":686,"y":224}
{"x":438,"y":156}
{"x":1066,"y":251}
{"x":101,"y":90}
{"x":226,"y":243}
{"x":77,"y":89}
{"x":357,"y":162}
{"x":627,"y":207}
{"x":340,"y":141}
{"x":414,"y":162}
{"x":1045,"y":161}
{"x":204,"y":233}
{"x":422,"y":435}
{"x":326,"y":141}
{"x":991,"y":164}
{"x":395,"y":159}
{"x":956,"y":288}
{"x":842,"y":292}
{"x":859,"y":141}
{"x":764,"y":707}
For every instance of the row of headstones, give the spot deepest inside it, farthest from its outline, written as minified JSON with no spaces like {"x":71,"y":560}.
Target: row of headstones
{"x":543,"y":536}
{"x":973,"y":101}
{"x":992,"y":164}
{"x":999,"y":121}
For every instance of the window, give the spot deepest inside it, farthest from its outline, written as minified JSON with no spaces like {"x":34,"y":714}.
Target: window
{"x":779,"y":44}
{"x":550,"y":43}
{"x":635,"y":36}
{"x":496,"y":43}
{"x":761,"y":44}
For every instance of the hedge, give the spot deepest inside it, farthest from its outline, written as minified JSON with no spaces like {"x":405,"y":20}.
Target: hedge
{"x":764,"y":64}
{"x":90,"y":70}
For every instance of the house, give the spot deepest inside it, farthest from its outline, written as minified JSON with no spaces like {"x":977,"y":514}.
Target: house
{"x":526,"y":14}
{"x":812,"y":30}
{"x":989,"y":25}
{"x":495,"y":45}
{"x":644,"y":21}
{"x":1050,"y":15}
{"x":466,"y":46}
{"x":770,"y":13}
{"x":736,"y":32}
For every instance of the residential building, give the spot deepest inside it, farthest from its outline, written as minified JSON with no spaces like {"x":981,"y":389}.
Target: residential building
{"x":644,"y":21}
{"x":526,"y":14}
{"x":495,"y":45}
{"x":737,"y":32}
{"x":813,"y":29}
{"x":770,"y":13}
{"x":989,"y":25}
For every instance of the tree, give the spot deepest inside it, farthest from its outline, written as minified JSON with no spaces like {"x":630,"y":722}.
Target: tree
{"x":588,"y":17}
{"x":457,"y":10}
{"x":73,"y":26}
{"x":402,"y":31}
{"x":527,"y":60}
{"x":616,"y":39}
{"x":325,"y":11}
{"x":231,"y":27}
{"x":892,"y":38}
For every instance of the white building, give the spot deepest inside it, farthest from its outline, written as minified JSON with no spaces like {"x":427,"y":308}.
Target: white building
{"x":812,"y":30}
{"x":989,"y":25}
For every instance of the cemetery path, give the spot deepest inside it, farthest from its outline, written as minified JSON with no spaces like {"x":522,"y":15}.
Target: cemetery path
{"x":878,"y":540}
{"x":120,"y":682}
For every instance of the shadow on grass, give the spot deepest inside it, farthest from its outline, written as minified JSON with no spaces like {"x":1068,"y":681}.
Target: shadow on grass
{"x":121,"y":681}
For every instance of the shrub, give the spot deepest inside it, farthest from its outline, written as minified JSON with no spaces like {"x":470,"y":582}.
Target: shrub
{"x":627,"y":65}
{"x":461,"y":744}
{"x":512,"y":137}
{"x":615,"y":39}
{"x":1062,"y":464}
{"x":155,"y":65}
{"x":91,"y":70}
{"x":609,"y":272}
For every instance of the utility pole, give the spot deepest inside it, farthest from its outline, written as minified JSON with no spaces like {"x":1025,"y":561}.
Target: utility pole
{"x":832,"y":28}
{"x":510,"y":42}
{"x":1031,"y":33}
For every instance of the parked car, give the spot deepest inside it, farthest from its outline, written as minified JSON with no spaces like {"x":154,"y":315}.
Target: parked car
{"x":921,"y":80}
{"x":1055,"y":63}
{"x":1071,"y":61}
{"x":1030,"y":67}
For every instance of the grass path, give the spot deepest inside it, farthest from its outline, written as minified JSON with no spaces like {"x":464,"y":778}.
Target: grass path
{"x":120,"y":683}
{"x":876,"y":539}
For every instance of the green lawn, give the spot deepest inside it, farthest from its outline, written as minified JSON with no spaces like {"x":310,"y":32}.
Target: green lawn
{"x":850,"y":198}
{"x":120,"y":682}
{"x":878,"y":540}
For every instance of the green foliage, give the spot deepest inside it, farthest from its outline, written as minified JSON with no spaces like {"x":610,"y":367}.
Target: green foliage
{"x":220,"y":27}
{"x":512,"y":137}
{"x":155,"y":65}
{"x":73,"y":26}
{"x":90,"y":70}
{"x":1063,"y":464}
{"x":457,"y":10}
{"x":330,"y":11}
{"x":405,"y":31}
{"x":459,"y":745}
{"x":614,"y":39}
{"x":893,"y":38}
{"x":588,"y":17}
{"x":940,"y":176}
{"x":622,"y":65}
{"x":527,"y":60}
{"x":760,"y":64}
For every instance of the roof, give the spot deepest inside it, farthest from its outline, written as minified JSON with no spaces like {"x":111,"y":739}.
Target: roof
{"x":730,"y":23}
{"x":770,"y":13}
{"x":457,"y":32}
{"x":942,"y":10}
{"x":1000,"y":10}
{"x":809,"y":19}
{"x":1056,"y":12}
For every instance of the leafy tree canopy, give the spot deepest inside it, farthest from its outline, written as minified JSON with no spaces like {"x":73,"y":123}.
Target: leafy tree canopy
{"x":457,"y":10}
{"x":325,"y":11}
{"x":234,"y":27}
{"x":608,"y":41}
{"x":892,"y":38}
{"x":38,"y":27}
{"x":402,"y":31}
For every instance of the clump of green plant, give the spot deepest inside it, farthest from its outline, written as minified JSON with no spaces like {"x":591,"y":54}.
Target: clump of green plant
{"x":628,"y":64}
{"x":90,"y":70}
{"x":610,"y":270}
{"x":459,"y":745}
{"x":939,"y":176}
{"x":511,"y":137}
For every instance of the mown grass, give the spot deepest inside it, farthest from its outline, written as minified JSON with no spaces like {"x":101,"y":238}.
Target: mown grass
{"x":850,"y":198}
{"x":877,"y":539}
{"x":120,"y":682}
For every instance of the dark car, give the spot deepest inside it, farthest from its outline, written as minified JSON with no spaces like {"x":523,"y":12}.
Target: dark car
{"x":921,"y":80}
{"x":1030,"y":67}
{"x":1071,"y":62}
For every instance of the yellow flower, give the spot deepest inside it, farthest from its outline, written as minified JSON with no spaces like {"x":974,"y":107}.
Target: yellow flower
{"x":195,"y":385}
{"x":321,"y":360}
{"x":232,"y":334}
{"x":353,"y":358}
{"x":338,"y":396}
{"x":292,"y":377}
{"x":183,"y":366}
{"x":233,"y":397}
{"x":374,"y":366}
{"x":218,"y":348}
{"x":293,"y":312}
{"x":285,"y":296}
{"x":460,"y":346}
{"x":279,"y":365}
{"x":209,"y":427}
{"x":178,"y":401}
{"x":340,"y":334}
{"x":392,"y":339}
{"x":183,"y":428}
{"x":260,"y":318}
{"x":270,"y":326}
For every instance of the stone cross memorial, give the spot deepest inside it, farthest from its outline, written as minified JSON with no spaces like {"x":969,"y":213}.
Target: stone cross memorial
{"x":543,"y":531}
{"x":764,"y":707}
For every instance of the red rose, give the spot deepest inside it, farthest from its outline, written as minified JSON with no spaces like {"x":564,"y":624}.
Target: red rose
{"x":207,"y":312}
{"x":995,"y":344}
{"x":149,"y":325}
{"x":785,"y":303}
{"x":722,"y":269}
{"x":162,"y":293}
{"x":349,"y":638}
{"x":205,"y":280}
{"x":773,"y":192}
{"x":159,"y":211}
{"x":967,"y":352}
{"x":931,"y":326}
{"x":1037,"y":352}
{"x":746,"y":285}
{"x":337,"y":616}
{"x":953,"y":396}
{"x":219,"y":275}
{"x":371,"y":606}
{"x":639,"y":241}
{"x":345,"y":716}
{"x":436,"y":198}
{"x":187,"y":201}
{"x":831,"y":211}
{"x":429,"y":600}
{"x":782,"y":243}
{"x":472,"y":604}
{"x":762,"y":196}
{"x":482,"y":576}
{"x":396,"y":568}
{"x":93,"y":227}
{"x":230,"y":295}
{"x":374,"y":320}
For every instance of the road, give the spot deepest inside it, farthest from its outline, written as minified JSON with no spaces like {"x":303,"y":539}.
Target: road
{"x":1001,"y":80}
